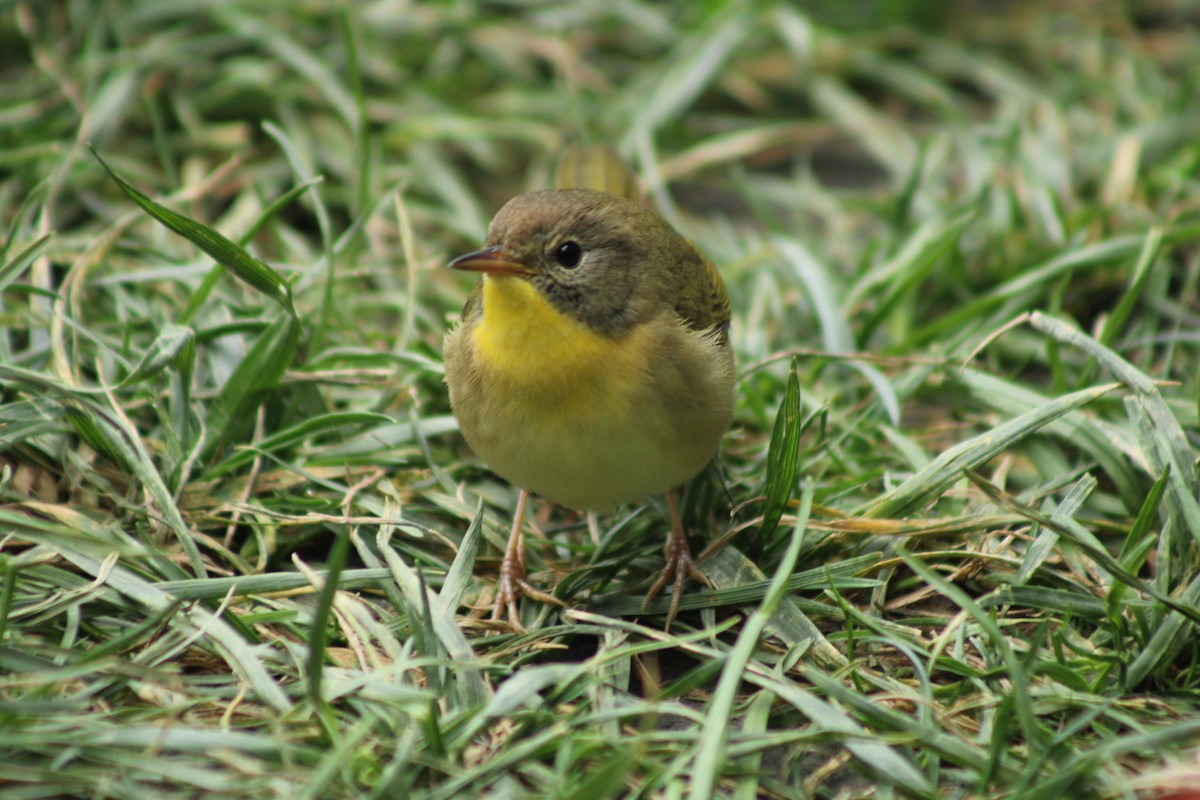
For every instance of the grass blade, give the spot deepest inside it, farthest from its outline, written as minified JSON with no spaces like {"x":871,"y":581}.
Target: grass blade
{"x":944,"y":470}
{"x":231,"y":414}
{"x":234,"y":258}
{"x":783,"y":458}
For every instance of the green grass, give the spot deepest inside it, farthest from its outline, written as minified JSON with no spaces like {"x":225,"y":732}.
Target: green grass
{"x":954,"y":537}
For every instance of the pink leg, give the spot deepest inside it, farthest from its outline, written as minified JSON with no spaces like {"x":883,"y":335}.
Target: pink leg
{"x":679,"y":565}
{"x":512,"y":583}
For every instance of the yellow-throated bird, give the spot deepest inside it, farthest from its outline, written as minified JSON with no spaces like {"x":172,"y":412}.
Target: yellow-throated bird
{"x":592,"y":364}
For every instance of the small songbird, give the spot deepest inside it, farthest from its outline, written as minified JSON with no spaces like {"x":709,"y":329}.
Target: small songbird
{"x":592,"y":365}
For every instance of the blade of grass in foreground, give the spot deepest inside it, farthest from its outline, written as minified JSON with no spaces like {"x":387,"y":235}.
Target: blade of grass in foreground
{"x":319,"y":636}
{"x":471,"y":689}
{"x":198,"y":297}
{"x":1082,"y":430}
{"x":729,"y":566}
{"x":251,"y":270}
{"x":198,"y":622}
{"x":783,"y":458}
{"x":930,"y":482}
{"x":461,"y":572}
{"x":829,"y":718}
{"x":709,"y":758}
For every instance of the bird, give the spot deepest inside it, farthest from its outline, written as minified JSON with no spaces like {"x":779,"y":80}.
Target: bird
{"x":592,"y":363}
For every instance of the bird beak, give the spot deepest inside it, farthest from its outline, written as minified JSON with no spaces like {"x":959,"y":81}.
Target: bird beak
{"x":491,"y":261}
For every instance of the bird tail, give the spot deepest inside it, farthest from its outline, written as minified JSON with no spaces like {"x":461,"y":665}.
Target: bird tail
{"x":596,"y":167}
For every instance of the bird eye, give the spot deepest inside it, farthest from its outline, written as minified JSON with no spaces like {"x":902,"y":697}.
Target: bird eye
{"x":568,"y":254}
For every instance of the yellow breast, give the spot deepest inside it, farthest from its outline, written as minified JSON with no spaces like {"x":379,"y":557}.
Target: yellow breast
{"x":587,"y":420}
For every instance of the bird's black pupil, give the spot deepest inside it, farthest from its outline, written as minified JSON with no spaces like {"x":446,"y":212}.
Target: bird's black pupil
{"x":568,"y":254}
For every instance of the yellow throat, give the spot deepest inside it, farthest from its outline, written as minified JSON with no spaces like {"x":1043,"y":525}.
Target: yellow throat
{"x":548,"y":358}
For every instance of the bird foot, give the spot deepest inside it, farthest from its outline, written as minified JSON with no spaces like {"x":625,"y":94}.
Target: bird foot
{"x":678,"y":569}
{"x":510,"y":586}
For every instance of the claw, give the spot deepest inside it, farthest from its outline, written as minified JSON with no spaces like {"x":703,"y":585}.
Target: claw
{"x":512,"y":584}
{"x":679,"y":566}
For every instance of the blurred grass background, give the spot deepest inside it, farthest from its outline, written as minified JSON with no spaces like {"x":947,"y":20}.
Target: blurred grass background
{"x":954,"y":547}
